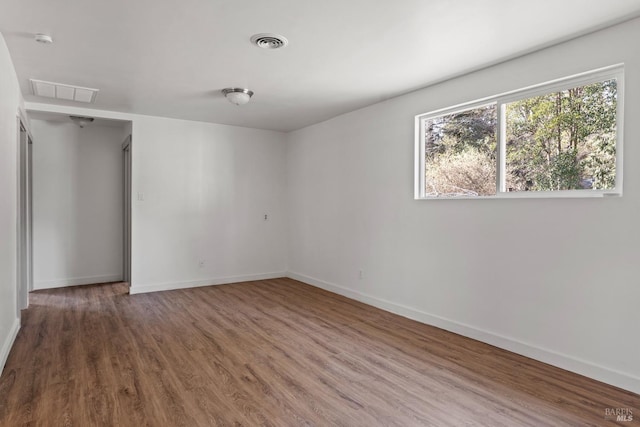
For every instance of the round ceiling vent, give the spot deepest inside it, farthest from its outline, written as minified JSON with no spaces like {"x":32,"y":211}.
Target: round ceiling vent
{"x":269,"y":41}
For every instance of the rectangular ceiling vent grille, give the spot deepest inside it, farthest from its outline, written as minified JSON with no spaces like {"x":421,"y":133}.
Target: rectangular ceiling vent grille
{"x":62,"y":91}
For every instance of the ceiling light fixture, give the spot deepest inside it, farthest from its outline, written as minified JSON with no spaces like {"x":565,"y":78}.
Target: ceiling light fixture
{"x":81,"y":121}
{"x":43,"y":38}
{"x":237,"y":96}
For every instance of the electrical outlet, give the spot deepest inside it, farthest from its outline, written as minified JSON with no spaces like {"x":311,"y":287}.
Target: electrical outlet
{"x":266,"y":217}
{"x":201,"y":263}
{"x":361,"y":274}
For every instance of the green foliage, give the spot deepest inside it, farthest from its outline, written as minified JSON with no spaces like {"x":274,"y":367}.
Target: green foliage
{"x":457,"y":132}
{"x":563,"y":140}
{"x":564,"y":173}
{"x":601,"y":163}
{"x":461,"y":153}
{"x":470,"y":172}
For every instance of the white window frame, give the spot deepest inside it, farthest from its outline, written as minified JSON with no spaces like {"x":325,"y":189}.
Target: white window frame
{"x":613,"y":72}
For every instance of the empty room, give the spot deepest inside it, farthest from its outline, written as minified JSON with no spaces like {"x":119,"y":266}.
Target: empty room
{"x":319,"y":213}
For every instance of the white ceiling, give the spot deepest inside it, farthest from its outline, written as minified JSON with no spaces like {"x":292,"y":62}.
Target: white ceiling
{"x":170,"y":58}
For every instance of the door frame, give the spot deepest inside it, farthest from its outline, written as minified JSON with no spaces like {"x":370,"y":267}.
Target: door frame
{"x":24,"y":237}
{"x":126,"y":208}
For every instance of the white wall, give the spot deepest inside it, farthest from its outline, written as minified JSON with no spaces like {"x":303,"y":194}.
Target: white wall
{"x":558,"y":280}
{"x":77,"y":203}
{"x":206,"y":189}
{"x":10,"y":101}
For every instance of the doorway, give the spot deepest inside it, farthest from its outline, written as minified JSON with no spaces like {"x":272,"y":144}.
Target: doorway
{"x":25,"y":217}
{"x":79,"y":200}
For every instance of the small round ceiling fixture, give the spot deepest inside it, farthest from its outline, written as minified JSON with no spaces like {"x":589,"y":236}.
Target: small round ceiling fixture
{"x":43,"y":38}
{"x":269,"y":40}
{"x":238,"y":96}
{"x":81,"y":121}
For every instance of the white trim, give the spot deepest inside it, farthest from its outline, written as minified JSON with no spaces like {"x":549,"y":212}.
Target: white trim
{"x":419,"y":160}
{"x":501,"y":149}
{"x":619,"y":130}
{"x":570,"y":363}
{"x":76,"y":281}
{"x":24,"y":282}
{"x":79,"y":111}
{"x":560,"y":194}
{"x":8,"y":343}
{"x":168,"y":286}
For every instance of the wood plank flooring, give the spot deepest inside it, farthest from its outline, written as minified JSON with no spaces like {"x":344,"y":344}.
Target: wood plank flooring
{"x":273,"y":353}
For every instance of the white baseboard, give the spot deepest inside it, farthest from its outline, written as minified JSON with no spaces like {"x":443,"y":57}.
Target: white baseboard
{"x":141,"y":289}
{"x":8,"y":343}
{"x":76,"y":281}
{"x":569,"y":363}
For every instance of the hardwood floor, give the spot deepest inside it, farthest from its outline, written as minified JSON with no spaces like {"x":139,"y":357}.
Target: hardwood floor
{"x":275,"y":353}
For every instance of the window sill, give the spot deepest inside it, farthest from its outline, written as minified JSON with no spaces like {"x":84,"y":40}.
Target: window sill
{"x":579,"y":194}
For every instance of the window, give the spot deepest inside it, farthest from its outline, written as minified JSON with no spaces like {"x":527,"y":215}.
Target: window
{"x":555,"y":139}
{"x":460,"y":153}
